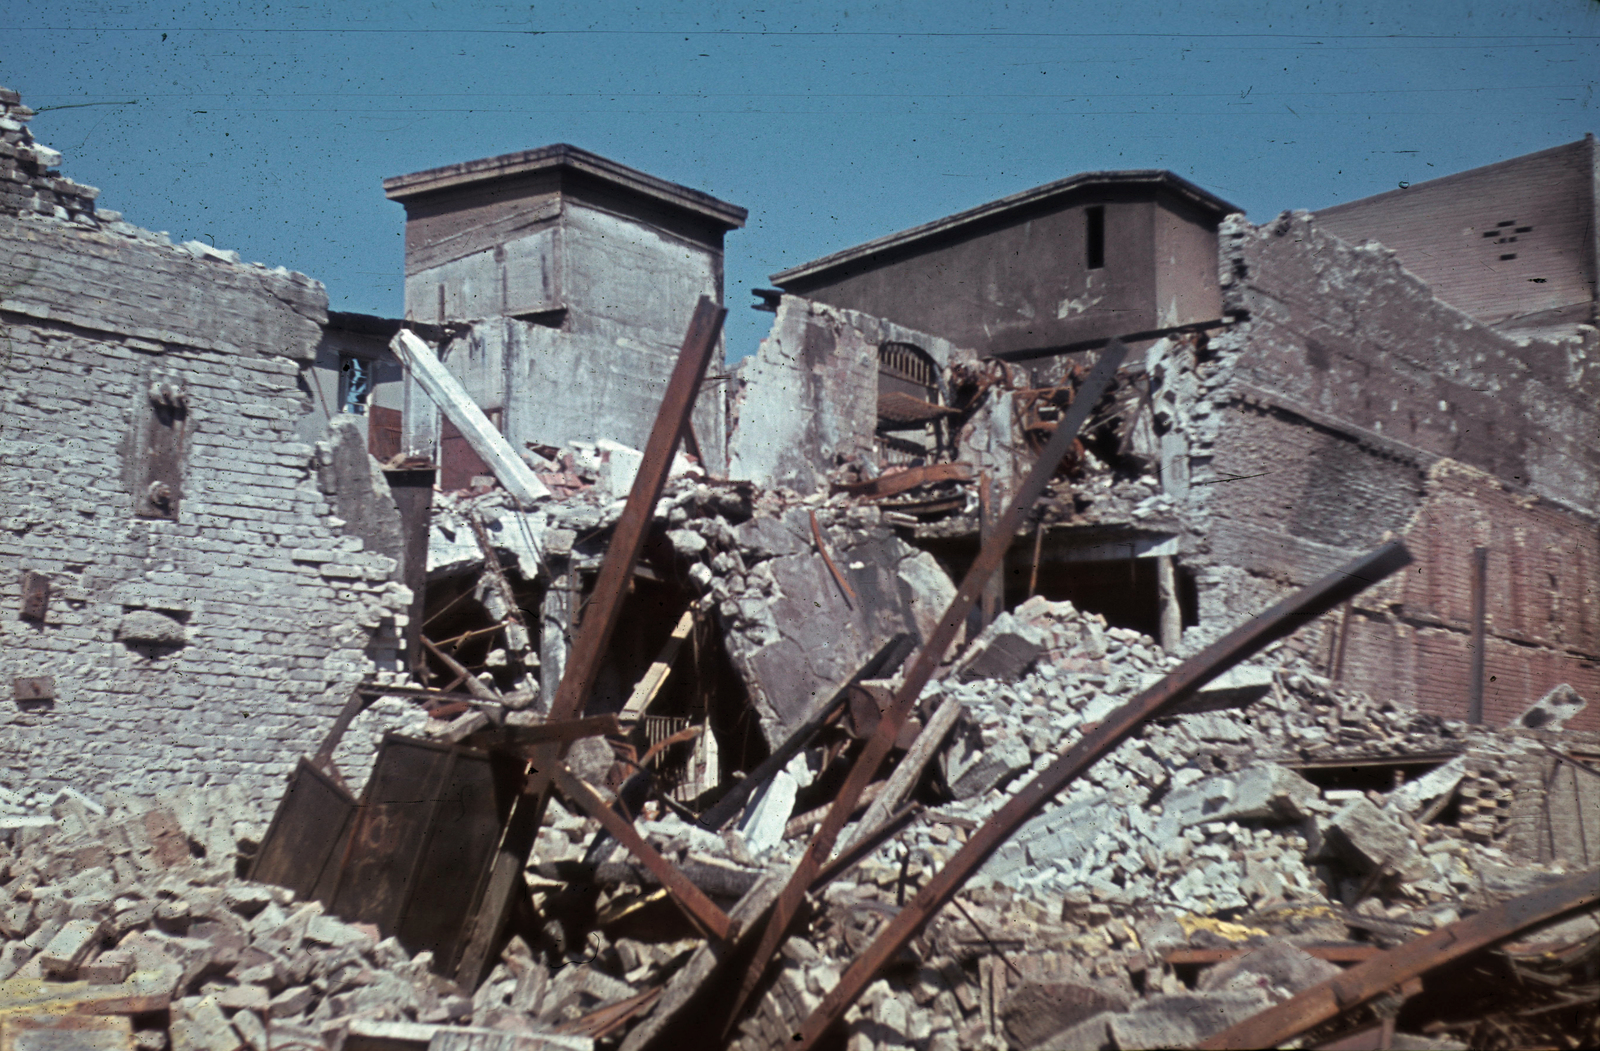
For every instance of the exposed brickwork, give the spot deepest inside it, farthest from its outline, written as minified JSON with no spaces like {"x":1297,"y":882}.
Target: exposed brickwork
{"x":211,"y":644}
{"x":1542,"y":611}
{"x":28,"y":182}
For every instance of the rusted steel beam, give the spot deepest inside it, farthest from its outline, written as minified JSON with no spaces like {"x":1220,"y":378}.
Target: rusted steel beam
{"x":1480,"y":592}
{"x":989,"y":559}
{"x":600,"y":617}
{"x":594,"y":634}
{"x":691,"y":899}
{"x":1160,"y":699}
{"x":885,"y":486}
{"x":1404,"y":963}
{"x":518,"y":737}
{"x":838,"y":578}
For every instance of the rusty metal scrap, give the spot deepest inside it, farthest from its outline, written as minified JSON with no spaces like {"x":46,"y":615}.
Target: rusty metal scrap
{"x":1381,"y":974}
{"x":877,"y":749}
{"x":1165,"y":696}
{"x":827,"y":559}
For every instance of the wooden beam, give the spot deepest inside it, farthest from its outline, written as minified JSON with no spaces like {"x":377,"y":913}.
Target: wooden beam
{"x":459,"y":408}
{"x":909,"y":772}
{"x":650,"y":683}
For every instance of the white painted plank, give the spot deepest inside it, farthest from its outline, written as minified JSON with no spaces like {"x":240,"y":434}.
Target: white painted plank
{"x":461,"y":410}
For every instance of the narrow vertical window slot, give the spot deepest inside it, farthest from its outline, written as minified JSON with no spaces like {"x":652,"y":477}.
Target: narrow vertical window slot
{"x":1095,"y":228}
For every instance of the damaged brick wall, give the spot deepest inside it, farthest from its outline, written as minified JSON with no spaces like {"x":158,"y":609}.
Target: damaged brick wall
{"x":204,"y":633}
{"x":1412,"y":638}
{"x":1348,"y":402}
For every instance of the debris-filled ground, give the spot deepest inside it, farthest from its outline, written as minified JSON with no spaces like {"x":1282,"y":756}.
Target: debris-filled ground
{"x":895,"y":696}
{"x":1207,"y":868}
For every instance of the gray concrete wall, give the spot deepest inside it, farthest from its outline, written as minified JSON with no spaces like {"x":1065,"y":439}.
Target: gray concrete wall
{"x":807,"y":401}
{"x":212,"y":647}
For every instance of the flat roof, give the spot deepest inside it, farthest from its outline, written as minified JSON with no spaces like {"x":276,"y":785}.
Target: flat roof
{"x":1461,"y":176}
{"x":562,"y":156}
{"x":1150,"y":178}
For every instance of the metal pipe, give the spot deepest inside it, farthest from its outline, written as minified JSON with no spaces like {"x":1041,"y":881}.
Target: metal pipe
{"x":1480,"y":573}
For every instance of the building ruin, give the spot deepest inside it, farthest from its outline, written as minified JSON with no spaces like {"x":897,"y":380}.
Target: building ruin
{"x":234,"y":519}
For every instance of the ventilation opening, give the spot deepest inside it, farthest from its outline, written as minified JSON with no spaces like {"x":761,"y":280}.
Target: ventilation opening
{"x":1095,"y":235}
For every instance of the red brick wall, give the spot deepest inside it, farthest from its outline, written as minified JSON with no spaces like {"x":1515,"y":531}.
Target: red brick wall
{"x":1412,"y":639}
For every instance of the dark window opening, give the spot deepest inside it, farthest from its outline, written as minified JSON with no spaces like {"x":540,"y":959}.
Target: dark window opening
{"x":1508,"y":256}
{"x":1524,"y":230}
{"x":1095,"y":229}
{"x":1508,"y":222}
{"x":1124,"y":591}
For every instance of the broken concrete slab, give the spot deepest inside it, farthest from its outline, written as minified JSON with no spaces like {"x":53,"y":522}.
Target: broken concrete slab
{"x":1183,"y":1020}
{"x":1553,"y":710}
{"x":1366,"y":838}
{"x":1037,"y":1011}
{"x":1413,"y":796}
{"x":1259,"y":792}
{"x":1278,"y":968}
{"x":1005,"y":650}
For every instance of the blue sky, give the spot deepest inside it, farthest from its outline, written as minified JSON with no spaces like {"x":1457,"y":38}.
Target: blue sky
{"x":268,"y":130}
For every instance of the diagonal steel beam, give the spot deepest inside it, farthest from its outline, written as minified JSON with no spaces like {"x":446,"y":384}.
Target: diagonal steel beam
{"x":691,"y":899}
{"x":594,"y":635}
{"x":878,"y":746}
{"x":1161,"y":698}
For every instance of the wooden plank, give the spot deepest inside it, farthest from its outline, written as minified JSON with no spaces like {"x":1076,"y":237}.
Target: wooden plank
{"x":649,"y":684}
{"x":457,"y":406}
{"x":909,"y":772}
{"x":565,"y":731}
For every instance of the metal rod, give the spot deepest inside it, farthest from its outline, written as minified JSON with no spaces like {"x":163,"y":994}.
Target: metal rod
{"x":1163,"y":697}
{"x":989,"y":559}
{"x":1480,"y":567}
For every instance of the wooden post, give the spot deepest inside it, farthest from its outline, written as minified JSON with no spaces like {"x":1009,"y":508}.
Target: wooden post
{"x":1480,"y":572}
{"x":1171,"y":612}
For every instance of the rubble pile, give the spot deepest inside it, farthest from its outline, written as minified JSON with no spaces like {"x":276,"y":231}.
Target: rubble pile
{"x":142,"y":912}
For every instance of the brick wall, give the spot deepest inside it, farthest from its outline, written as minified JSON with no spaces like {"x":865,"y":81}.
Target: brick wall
{"x":200,"y":634}
{"x":1412,"y":638}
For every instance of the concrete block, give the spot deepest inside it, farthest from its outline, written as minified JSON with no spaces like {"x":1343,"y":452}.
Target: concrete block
{"x":1366,"y":837}
{"x":109,"y":968}
{"x":980,"y":763}
{"x":1278,"y":968}
{"x":762,"y":827}
{"x":1037,"y":1011}
{"x":292,"y":1002}
{"x":61,"y":957}
{"x":1413,"y":796}
{"x":1183,"y":1020}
